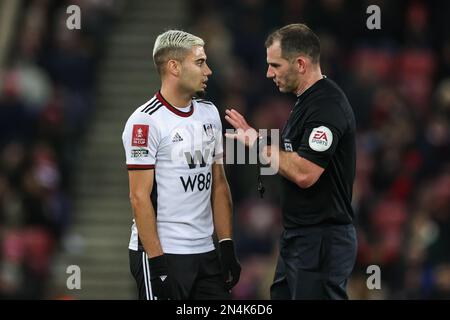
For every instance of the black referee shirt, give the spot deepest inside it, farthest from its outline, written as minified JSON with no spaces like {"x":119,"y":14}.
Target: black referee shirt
{"x":321,"y":129}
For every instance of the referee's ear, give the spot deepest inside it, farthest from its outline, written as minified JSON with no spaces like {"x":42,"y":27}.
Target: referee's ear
{"x":301,"y":63}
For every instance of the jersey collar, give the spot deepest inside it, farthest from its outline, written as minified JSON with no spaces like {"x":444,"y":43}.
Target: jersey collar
{"x":172,"y":108}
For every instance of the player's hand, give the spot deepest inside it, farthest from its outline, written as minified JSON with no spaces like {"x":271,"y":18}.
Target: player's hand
{"x":159,"y":278}
{"x":231,"y":269}
{"x":244,"y":133}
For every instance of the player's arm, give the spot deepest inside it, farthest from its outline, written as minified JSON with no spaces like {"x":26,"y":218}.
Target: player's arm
{"x":221,"y":203}
{"x":141,"y":140}
{"x":141,"y":185}
{"x":223,"y":224}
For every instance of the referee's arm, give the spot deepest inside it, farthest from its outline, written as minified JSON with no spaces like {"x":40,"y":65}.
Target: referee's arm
{"x":221,"y":203}
{"x":141,"y":185}
{"x":299,"y":170}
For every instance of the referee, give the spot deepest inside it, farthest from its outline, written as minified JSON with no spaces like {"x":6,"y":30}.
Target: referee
{"x":316,"y":162}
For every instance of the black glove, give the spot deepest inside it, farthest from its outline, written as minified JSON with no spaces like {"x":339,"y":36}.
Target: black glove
{"x":231,"y":269}
{"x":159,"y":277}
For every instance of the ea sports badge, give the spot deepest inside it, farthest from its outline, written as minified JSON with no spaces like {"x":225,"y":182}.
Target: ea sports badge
{"x":320,"y":139}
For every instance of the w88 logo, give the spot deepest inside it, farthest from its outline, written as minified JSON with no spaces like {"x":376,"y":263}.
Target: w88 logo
{"x":199,"y":181}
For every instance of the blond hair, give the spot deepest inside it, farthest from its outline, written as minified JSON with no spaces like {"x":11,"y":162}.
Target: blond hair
{"x":173,"y":44}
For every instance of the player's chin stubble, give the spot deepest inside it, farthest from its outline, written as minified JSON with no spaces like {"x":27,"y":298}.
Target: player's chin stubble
{"x":200,"y":94}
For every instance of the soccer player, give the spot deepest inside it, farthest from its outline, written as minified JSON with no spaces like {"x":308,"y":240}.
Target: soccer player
{"x":178,"y":189}
{"x":317,"y":167}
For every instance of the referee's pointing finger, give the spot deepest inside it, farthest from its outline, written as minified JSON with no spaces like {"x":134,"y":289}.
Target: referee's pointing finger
{"x":233,"y":122}
{"x":236,"y":114}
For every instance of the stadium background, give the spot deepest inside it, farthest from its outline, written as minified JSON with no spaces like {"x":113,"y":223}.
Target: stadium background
{"x":66,"y":94}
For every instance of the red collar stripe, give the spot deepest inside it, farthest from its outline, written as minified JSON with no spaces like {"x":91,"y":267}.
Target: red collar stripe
{"x":172,"y":108}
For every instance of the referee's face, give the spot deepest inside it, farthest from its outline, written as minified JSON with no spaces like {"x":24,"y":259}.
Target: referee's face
{"x":280,"y":70}
{"x":195,"y":72}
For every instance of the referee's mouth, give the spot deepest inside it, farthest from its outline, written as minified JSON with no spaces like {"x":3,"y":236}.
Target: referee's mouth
{"x":204,"y":85}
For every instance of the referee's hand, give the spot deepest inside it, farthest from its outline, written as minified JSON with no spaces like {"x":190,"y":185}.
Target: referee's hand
{"x":231,"y":269}
{"x":159,"y":278}
{"x":244,"y":133}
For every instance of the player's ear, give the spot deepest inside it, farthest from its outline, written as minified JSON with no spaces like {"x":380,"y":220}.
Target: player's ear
{"x":173,"y":67}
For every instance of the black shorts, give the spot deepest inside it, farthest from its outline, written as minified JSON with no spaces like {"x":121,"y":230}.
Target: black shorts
{"x":193,"y":276}
{"x":315,"y":263}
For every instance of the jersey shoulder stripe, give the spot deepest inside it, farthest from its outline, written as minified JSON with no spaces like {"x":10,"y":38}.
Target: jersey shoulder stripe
{"x":152,"y":108}
{"x":149,"y":104}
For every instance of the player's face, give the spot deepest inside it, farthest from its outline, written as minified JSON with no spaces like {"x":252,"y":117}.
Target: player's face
{"x":195,"y":72}
{"x":280,"y":70}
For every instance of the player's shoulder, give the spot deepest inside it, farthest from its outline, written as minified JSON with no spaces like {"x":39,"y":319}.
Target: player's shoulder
{"x":150,"y":108}
{"x":147,"y":112}
{"x":203,"y":101}
{"x":206,"y":105}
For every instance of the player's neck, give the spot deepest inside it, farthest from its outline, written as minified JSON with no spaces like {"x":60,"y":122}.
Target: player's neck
{"x":175,"y":98}
{"x":310,"y":80}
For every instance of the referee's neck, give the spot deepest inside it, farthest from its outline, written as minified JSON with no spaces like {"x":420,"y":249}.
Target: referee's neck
{"x":308,"y":81}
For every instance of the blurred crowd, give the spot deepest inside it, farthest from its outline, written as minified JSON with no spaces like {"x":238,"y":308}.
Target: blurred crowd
{"x":46,"y":98}
{"x":398,"y":82}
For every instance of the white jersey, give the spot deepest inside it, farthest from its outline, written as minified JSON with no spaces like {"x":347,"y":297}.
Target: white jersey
{"x":180,"y":147}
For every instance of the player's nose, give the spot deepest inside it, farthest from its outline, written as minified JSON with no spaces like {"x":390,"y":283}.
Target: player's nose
{"x":208,"y":71}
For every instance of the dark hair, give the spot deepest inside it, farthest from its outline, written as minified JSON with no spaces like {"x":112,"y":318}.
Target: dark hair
{"x":294,"y":39}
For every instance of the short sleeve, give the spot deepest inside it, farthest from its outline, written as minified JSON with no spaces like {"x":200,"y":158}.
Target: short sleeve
{"x":322,"y":131}
{"x":140,"y":140}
